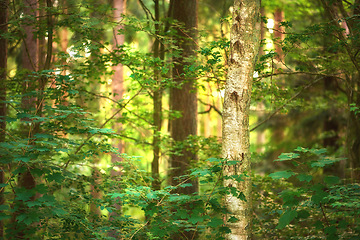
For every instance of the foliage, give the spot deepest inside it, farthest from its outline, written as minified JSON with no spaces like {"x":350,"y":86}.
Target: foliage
{"x":323,"y":203}
{"x":64,"y":141}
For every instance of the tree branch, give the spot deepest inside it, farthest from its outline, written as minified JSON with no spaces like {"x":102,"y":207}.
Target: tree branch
{"x":282,"y":106}
{"x":93,"y":134}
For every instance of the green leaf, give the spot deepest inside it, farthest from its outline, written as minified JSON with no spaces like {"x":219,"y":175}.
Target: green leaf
{"x":184,"y":185}
{"x":320,"y":194}
{"x":242,"y":196}
{"x":304,"y":177}
{"x":301,"y":149}
{"x":151,"y":195}
{"x":324,"y":161}
{"x":101,"y":130}
{"x":319,"y":151}
{"x":200,"y":172}
{"x":24,"y":196}
{"x":282,"y":174}
{"x":286,"y":218}
{"x":55,"y":176}
{"x":23,"y":159}
{"x":232,"y":162}
{"x":215,"y":222}
{"x":59,"y":211}
{"x":214,"y":160}
{"x":182,"y":213}
{"x":233,"y":219}
{"x":28,"y":218}
{"x":195,"y":218}
{"x":287,"y":156}
{"x":116,"y":195}
{"x":290,"y":198}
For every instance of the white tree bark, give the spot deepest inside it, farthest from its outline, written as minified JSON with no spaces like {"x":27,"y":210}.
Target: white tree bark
{"x":244,"y":43}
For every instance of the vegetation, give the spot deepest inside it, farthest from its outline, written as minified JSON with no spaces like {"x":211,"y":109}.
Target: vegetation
{"x":111,"y":118}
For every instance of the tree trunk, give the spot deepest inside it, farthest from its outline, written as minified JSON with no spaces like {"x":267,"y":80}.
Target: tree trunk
{"x":29,"y":64}
{"x":184,"y":97}
{"x":353,"y":82}
{"x":118,"y":91}
{"x":118,"y":78}
{"x":244,"y":43}
{"x":279,"y":33}
{"x":157,"y":101}
{"x":3,"y":68}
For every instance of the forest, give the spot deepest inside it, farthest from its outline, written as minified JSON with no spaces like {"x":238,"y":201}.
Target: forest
{"x":179,"y":119}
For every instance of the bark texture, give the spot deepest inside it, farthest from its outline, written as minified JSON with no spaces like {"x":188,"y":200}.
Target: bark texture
{"x":244,"y":43}
{"x":183,"y":98}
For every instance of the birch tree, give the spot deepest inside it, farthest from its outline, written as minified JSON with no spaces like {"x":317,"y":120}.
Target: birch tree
{"x":244,"y":43}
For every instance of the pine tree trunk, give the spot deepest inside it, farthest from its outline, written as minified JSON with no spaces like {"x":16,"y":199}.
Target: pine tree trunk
{"x":184,"y":98}
{"x":244,"y":43}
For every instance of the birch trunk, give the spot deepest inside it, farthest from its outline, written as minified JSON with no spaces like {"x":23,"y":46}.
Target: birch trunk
{"x":245,"y":36}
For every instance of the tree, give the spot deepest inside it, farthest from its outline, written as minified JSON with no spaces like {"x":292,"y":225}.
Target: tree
{"x":157,"y":101}
{"x":183,"y":97}
{"x":348,"y":35}
{"x":29,"y":58}
{"x":244,"y":45}
{"x":118,"y":77}
{"x":117,"y":85}
{"x":3,"y":73}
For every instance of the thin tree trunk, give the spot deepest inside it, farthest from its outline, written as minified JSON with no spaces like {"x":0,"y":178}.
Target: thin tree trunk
{"x":279,"y":33}
{"x":244,"y":43}
{"x":64,"y":41}
{"x":353,"y":82}
{"x":97,"y":35}
{"x":3,"y":68}
{"x":118,"y":91}
{"x":41,"y":38}
{"x":157,"y":102}
{"x":118,"y":78}
{"x":29,"y":64}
